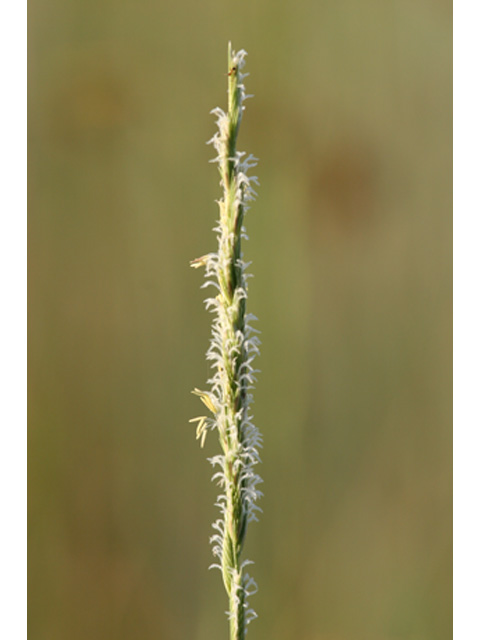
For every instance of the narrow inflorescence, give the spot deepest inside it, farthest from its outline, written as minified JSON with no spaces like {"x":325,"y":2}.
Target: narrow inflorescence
{"x":232,"y":350}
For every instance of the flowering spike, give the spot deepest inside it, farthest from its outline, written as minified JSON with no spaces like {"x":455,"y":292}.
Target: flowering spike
{"x":232,"y":350}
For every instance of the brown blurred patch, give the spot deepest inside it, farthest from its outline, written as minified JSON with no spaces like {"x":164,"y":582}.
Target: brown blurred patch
{"x":93,"y":105}
{"x":342,"y":187}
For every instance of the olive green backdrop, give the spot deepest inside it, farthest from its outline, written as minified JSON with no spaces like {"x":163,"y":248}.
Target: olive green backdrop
{"x":351,"y":250}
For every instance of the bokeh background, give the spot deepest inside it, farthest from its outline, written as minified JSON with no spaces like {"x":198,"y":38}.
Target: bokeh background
{"x":350,"y":240}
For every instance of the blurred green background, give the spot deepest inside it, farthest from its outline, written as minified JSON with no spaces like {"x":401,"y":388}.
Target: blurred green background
{"x":351,"y":250}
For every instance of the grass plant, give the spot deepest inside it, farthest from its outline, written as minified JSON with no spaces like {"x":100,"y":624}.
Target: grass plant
{"x":233,"y":347}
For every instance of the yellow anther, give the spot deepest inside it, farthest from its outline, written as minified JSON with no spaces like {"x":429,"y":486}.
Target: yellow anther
{"x":206,"y":399}
{"x":201,"y":432}
{"x":199,"y":262}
